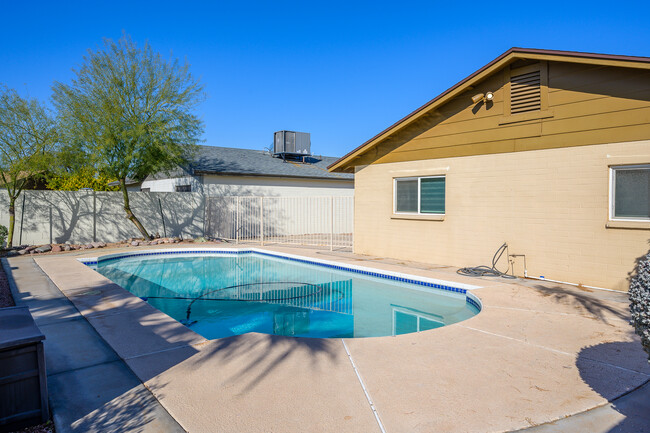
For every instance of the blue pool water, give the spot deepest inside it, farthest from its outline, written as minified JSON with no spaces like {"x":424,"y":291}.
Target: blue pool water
{"x":219,"y":295}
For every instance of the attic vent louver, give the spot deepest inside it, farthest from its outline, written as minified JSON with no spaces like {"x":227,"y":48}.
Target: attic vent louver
{"x":525,"y":92}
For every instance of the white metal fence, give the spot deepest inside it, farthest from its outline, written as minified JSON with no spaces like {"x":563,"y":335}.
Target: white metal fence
{"x":312,"y":221}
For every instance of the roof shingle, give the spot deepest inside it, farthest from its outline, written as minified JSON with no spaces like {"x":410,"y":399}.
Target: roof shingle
{"x":229,"y":160}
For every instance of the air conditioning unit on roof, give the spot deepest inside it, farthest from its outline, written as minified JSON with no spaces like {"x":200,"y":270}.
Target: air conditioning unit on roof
{"x":291,"y":143}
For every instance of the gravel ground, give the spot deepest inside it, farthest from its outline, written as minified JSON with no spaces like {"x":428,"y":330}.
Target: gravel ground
{"x":6,"y":300}
{"x":48,"y":427}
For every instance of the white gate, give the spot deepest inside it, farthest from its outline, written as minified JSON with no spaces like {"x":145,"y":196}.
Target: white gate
{"x":312,"y":221}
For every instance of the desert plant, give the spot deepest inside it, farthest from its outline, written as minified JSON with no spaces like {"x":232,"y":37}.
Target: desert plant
{"x":640,"y":302}
{"x":28,"y":138}
{"x":3,"y":235}
{"x":84,"y":177}
{"x":131,"y":113}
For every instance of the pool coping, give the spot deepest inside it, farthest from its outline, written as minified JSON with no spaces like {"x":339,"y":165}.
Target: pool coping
{"x":373,"y":376}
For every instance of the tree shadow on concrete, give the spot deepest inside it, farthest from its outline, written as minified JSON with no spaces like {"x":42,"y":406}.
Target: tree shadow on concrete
{"x":619,"y":372}
{"x":596,"y":306}
{"x":109,"y":396}
{"x":627,"y":390}
{"x":265,"y":353}
{"x":243,"y":361}
{"x":90,"y":395}
{"x":123,"y":404}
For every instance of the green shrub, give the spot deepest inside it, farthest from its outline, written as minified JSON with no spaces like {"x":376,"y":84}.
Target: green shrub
{"x":82,"y":178}
{"x":3,"y":235}
{"x":640,"y":302}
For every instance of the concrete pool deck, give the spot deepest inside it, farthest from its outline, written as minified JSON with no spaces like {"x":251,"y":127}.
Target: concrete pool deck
{"x":537,"y":353}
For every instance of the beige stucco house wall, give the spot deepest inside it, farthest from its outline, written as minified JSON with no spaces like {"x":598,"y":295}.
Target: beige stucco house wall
{"x":254,"y":186}
{"x":538,"y":180}
{"x":551,"y":205}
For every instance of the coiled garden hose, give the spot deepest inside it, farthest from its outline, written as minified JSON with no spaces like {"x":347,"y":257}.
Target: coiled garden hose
{"x":486,"y":271}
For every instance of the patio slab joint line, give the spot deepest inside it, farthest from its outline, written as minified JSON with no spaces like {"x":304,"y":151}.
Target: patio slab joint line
{"x":155,"y":352}
{"x":556,"y":351}
{"x":363,"y":386}
{"x":85,"y":367}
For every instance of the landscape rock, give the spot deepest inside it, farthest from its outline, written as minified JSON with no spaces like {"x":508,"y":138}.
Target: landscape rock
{"x":135,"y":243}
{"x":56,"y":248}
{"x":67,"y":247}
{"x":23,"y":252}
{"x":43,"y":249}
{"x":98,"y":244}
{"x":89,"y":246}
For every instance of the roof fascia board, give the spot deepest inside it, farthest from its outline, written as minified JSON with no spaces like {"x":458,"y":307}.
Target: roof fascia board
{"x":585,"y":60}
{"x":239,"y":174}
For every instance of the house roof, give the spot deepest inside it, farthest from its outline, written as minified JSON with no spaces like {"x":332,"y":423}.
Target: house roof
{"x":347,"y":161}
{"x":233,"y":161}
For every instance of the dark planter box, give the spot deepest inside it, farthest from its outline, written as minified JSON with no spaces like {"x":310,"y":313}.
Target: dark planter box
{"x":23,"y":385}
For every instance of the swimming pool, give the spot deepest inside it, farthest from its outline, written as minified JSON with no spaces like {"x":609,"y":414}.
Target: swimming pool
{"x":220,"y":293}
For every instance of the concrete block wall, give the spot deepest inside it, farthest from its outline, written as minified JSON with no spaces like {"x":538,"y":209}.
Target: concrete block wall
{"x":82,"y":217}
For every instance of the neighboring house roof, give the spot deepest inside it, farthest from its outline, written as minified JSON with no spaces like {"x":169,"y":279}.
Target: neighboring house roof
{"x":248,"y":162}
{"x":233,"y":161}
{"x":128,"y":182}
{"x":347,"y":162}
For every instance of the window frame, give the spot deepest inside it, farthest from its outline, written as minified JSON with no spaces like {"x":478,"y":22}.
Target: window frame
{"x":612,"y":191}
{"x":181,"y":187}
{"x":419,"y":192}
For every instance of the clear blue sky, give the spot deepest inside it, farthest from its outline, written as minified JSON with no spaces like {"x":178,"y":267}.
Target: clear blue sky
{"x":343,"y":71}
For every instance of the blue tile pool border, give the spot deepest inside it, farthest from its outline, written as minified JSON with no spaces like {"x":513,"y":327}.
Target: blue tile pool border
{"x":470,"y":299}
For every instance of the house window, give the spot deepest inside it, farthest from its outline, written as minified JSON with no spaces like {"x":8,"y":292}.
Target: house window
{"x":420,"y":195}
{"x":183,"y":188}
{"x":630,"y":192}
{"x":145,"y":189}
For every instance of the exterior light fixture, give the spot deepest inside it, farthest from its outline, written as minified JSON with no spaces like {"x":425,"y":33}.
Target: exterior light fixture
{"x":487,"y":97}
{"x":478,"y":97}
